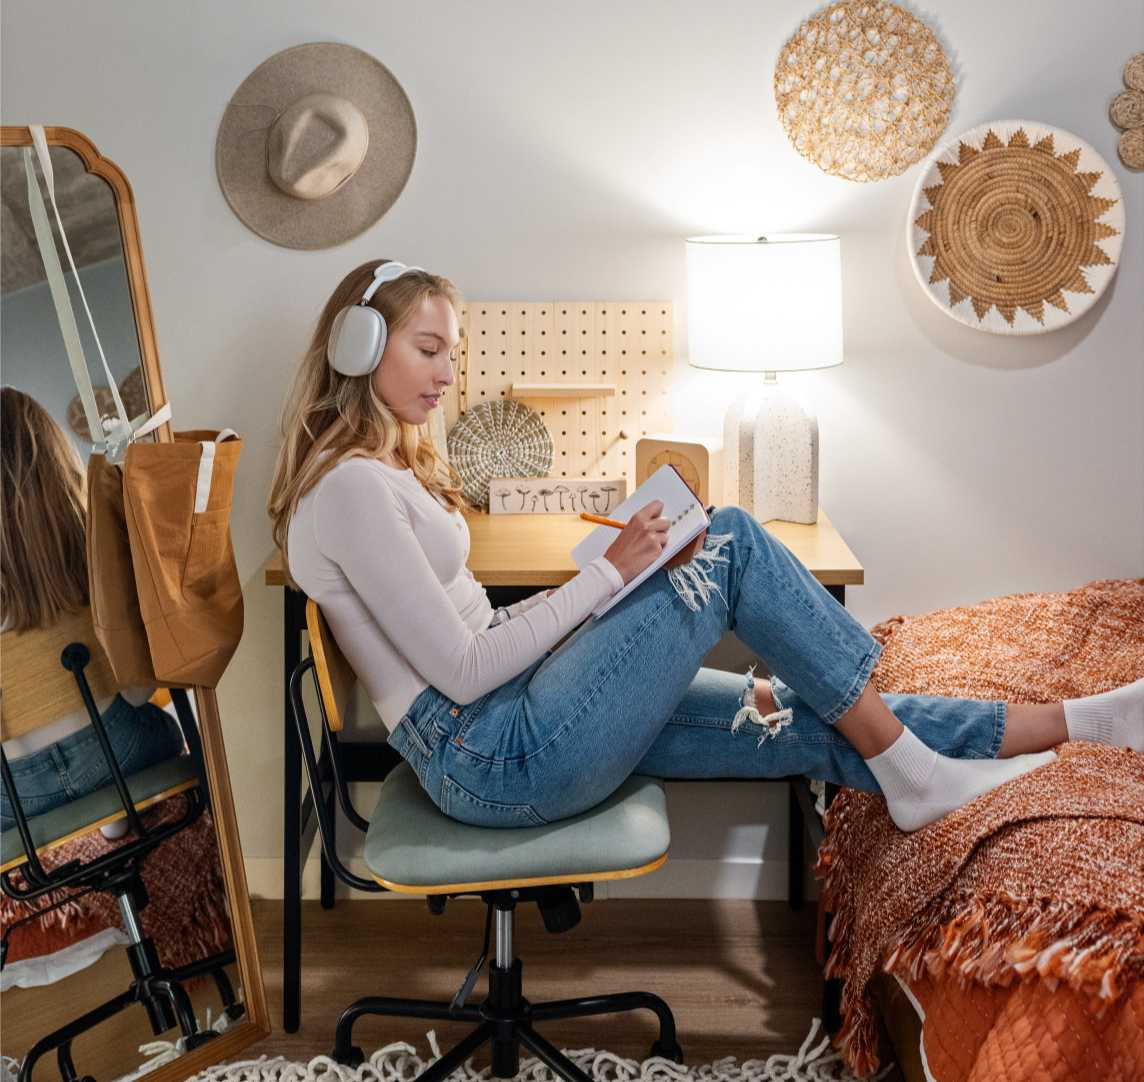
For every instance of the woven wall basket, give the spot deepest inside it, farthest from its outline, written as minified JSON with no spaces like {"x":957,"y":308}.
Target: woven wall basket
{"x":1015,"y":227}
{"x":863,"y":89}
{"x":501,"y":438}
{"x":1127,"y":111}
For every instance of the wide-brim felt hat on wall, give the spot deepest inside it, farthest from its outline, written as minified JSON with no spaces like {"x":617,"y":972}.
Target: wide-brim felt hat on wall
{"x":315,"y":145}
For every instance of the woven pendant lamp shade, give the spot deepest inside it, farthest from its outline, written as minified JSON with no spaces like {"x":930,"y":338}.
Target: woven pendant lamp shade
{"x":1016,"y":227}
{"x":863,"y":89}
{"x":1127,"y":112}
{"x":498,"y":439}
{"x":1131,"y":148}
{"x":1134,"y":72}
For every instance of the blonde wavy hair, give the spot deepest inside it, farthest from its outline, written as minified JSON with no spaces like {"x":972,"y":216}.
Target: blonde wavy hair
{"x":326,"y":411}
{"x":43,"y":537}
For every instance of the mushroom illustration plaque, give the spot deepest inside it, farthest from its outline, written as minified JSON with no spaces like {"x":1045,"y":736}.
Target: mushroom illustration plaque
{"x":555,"y":496}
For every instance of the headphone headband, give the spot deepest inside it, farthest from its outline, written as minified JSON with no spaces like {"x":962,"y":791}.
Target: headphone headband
{"x":387,"y":272}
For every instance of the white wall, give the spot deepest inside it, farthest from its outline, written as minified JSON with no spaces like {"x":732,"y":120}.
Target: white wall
{"x":564,"y":152}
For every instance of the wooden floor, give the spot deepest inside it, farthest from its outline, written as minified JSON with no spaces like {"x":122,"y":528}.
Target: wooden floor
{"x":111,"y":1048}
{"x":739,"y":976}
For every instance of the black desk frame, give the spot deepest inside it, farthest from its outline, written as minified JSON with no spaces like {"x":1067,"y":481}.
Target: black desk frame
{"x":372,"y":761}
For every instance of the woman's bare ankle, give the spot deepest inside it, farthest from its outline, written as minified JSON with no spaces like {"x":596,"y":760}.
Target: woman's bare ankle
{"x":869,"y":724}
{"x":1032,"y":727}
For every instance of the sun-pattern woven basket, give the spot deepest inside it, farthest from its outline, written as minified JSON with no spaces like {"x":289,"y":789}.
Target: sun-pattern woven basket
{"x":863,"y":89}
{"x":1015,"y":227}
{"x":500,"y":438}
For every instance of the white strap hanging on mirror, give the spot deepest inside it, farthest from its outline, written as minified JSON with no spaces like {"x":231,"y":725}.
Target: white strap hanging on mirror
{"x":124,"y":429}
{"x":64,"y":313}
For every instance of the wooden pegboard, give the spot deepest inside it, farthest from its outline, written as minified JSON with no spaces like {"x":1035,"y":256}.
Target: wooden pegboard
{"x":624,"y":343}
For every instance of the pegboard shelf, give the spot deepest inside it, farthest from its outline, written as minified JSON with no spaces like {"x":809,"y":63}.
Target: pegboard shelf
{"x":572,"y":348}
{"x":561,"y":390}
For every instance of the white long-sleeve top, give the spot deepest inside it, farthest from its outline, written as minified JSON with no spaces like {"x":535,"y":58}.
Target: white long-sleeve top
{"x":386,"y":561}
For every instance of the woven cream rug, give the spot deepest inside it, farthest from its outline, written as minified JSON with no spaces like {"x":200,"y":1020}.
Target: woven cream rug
{"x":815,"y":1061}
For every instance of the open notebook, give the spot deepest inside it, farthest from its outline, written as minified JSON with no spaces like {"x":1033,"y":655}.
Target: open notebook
{"x":680,"y":505}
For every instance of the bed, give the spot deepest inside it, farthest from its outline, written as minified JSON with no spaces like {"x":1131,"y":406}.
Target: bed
{"x":1005,"y":942}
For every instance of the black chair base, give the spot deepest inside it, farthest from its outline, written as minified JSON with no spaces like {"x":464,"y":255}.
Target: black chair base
{"x":161,"y":994}
{"x":505,"y":1020}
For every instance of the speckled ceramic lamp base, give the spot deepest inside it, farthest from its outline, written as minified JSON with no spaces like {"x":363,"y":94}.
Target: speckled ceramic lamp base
{"x":770,"y":457}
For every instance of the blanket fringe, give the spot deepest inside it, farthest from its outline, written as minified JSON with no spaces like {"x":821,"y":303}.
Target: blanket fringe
{"x":997,"y":940}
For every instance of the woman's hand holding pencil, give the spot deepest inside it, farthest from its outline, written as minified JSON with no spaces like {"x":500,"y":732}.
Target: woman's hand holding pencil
{"x":648,"y":538}
{"x":642,"y":538}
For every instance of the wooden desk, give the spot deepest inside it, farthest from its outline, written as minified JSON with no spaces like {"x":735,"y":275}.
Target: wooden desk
{"x":535,"y":550}
{"x":511,"y":556}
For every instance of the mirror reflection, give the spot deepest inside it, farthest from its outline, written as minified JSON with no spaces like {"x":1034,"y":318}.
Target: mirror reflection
{"x":32,"y":347}
{"x":118,"y":952}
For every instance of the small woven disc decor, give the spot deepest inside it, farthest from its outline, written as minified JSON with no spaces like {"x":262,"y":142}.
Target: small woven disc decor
{"x":1015,"y":227}
{"x":502,"y":438}
{"x":1127,"y":113}
{"x":863,"y":89}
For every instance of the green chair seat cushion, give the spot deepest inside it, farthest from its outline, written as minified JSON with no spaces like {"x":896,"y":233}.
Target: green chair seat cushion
{"x":73,"y":817}
{"x":412,"y":843}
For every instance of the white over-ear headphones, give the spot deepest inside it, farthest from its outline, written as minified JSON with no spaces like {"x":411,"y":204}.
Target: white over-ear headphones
{"x":357,"y":338}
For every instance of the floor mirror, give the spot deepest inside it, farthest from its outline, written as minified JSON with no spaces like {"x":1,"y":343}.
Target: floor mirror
{"x":74,"y":961}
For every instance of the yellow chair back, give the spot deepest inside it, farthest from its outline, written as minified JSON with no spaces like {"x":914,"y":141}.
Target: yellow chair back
{"x":37,"y":689}
{"x":336,"y":679}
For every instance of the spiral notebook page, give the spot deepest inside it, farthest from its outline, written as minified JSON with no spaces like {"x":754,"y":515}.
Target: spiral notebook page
{"x":680,"y":505}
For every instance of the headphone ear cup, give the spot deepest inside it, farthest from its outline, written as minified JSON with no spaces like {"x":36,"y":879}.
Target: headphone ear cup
{"x":357,"y":340}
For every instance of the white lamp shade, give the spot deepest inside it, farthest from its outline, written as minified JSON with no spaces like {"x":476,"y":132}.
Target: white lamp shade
{"x":764,"y":303}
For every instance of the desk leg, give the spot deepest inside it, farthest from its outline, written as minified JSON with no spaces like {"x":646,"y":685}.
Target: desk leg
{"x":796,"y":854}
{"x":293,"y":619}
{"x":831,"y":986}
{"x":327,"y":873}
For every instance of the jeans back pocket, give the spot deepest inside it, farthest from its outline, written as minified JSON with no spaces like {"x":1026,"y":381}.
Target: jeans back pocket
{"x":466,"y":807}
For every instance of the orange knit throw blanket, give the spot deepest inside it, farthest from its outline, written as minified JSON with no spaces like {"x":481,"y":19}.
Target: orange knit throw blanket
{"x":1040,"y":879}
{"x":186,"y":916}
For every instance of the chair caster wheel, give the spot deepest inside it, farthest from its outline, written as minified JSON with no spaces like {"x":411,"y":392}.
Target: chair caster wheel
{"x":197,"y":1040}
{"x":670,"y":1051}
{"x":354,"y":1058}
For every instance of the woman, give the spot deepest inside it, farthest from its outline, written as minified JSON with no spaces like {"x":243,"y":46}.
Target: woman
{"x":505,"y":724}
{"x":43,"y":576}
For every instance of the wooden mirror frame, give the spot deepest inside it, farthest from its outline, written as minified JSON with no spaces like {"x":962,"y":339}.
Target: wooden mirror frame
{"x":255,"y":1023}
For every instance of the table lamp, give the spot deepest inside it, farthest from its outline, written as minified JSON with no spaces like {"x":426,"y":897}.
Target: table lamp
{"x":767,"y":304}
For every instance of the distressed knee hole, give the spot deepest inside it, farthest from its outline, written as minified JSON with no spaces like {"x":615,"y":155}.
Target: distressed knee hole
{"x":692,"y":581}
{"x":773,"y":723}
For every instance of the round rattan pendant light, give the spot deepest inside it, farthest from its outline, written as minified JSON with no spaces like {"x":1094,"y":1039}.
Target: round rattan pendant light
{"x":502,"y":438}
{"x":1015,"y":227}
{"x":1127,"y":112}
{"x":863,"y":89}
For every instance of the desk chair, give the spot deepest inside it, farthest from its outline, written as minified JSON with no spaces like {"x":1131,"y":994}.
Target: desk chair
{"x":413,"y":848}
{"x":47,"y":675}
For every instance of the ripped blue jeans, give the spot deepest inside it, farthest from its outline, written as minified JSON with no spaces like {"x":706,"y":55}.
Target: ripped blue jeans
{"x":627,"y":694}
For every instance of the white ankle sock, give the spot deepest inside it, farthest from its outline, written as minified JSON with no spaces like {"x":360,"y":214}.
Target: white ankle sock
{"x":920,"y":785}
{"x":1113,"y":717}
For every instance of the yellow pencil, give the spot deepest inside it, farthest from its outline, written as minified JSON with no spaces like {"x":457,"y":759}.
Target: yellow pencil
{"x":602,"y":521}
